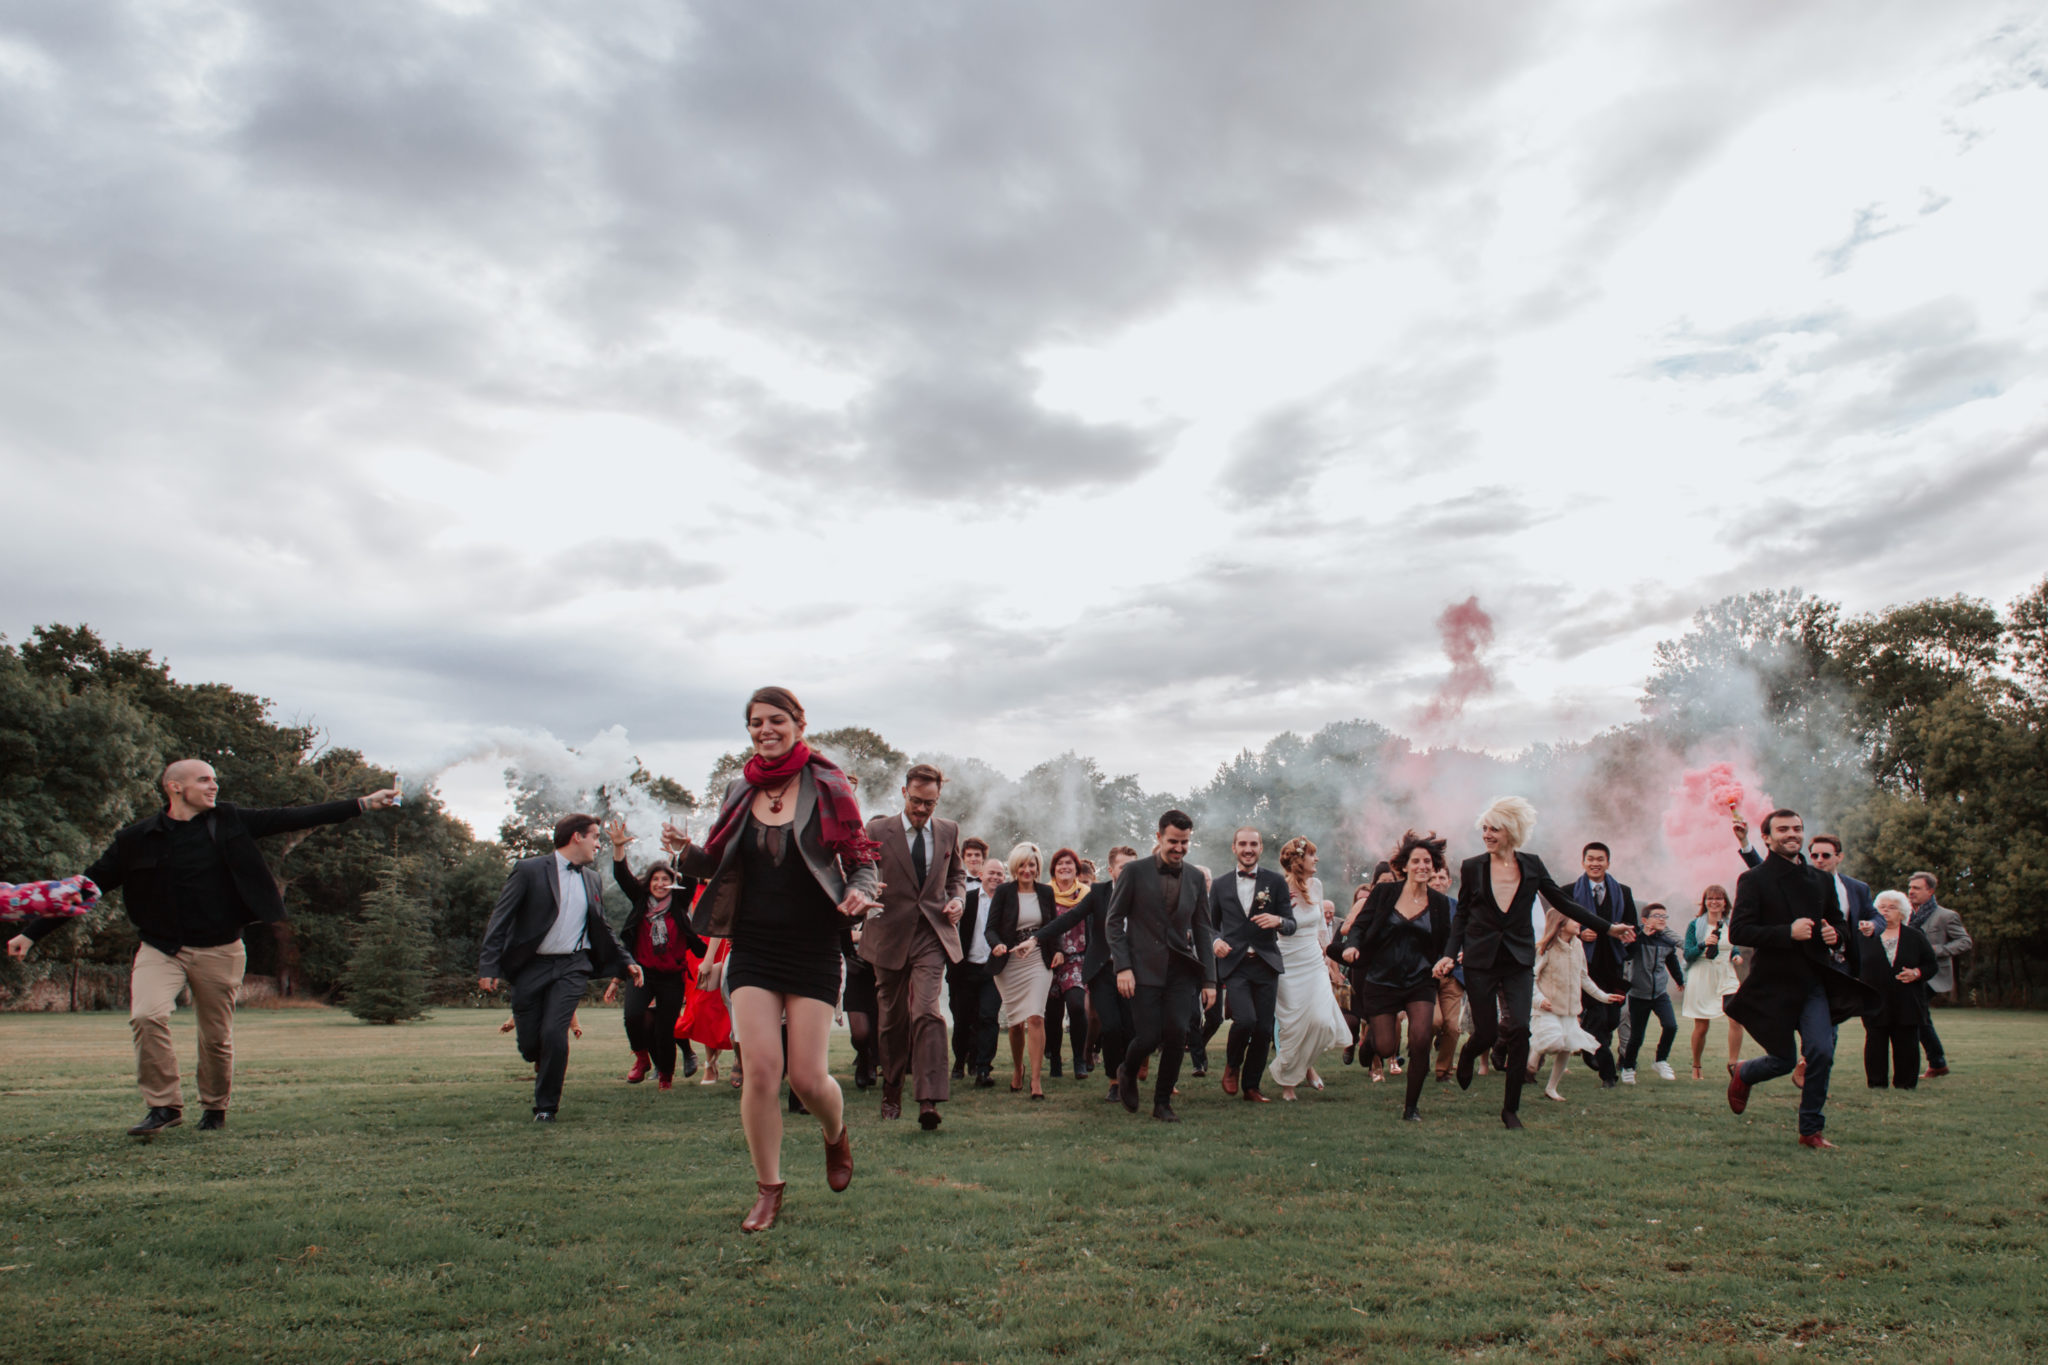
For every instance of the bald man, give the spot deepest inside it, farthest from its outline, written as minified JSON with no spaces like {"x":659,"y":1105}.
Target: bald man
{"x":194,"y":879}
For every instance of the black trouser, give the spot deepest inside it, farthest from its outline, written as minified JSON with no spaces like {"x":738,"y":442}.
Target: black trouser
{"x":1600,"y":1020}
{"x":1203,"y":1021}
{"x":988,"y":1008}
{"x":1159,"y":1016}
{"x":651,"y":1012}
{"x":1897,"y":1043}
{"x":1930,"y":1041}
{"x":1074,"y":1005}
{"x":1512,"y":985}
{"x":544,"y":999}
{"x":1113,"y":1014}
{"x":1252,"y":992}
{"x":1639,"y":1008}
{"x":963,"y":997}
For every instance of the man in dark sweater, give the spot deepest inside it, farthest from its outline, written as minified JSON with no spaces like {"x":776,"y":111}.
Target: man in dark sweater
{"x":193,"y":880}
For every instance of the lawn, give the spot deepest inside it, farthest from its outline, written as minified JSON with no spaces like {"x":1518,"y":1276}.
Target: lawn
{"x":381,"y":1195}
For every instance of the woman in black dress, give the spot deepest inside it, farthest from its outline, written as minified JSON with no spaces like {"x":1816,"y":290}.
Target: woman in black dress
{"x":1394,"y":943}
{"x":786,"y":865}
{"x":1895,"y":962}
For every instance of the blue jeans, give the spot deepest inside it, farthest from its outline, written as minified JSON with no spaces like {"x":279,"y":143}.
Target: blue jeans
{"x":1817,"y":1044}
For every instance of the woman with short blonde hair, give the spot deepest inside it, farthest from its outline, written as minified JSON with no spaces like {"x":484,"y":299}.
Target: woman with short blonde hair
{"x":1019,"y":907}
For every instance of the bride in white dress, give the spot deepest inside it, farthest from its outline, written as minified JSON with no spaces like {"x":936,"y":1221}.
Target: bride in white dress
{"x":1306,"y":1017}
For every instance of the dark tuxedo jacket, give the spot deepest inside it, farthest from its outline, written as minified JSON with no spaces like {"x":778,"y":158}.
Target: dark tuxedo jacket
{"x":1862,"y":905}
{"x":1492,"y":936}
{"x":1607,"y":960}
{"x":1782,"y":969}
{"x":525,"y":912}
{"x":970,"y":910}
{"x":1144,"y":931}
{"x":1898,"y":1002}
{"x":1094,"y":910}
{"x":1234,"y":925}
{"x":1370,"y":928}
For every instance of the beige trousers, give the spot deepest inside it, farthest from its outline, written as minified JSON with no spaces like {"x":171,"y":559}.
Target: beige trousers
{"x":214,"y":975}
{"x":1450,"y":1003}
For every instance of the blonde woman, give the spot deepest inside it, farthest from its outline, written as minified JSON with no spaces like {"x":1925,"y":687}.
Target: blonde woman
{"x":1494,"y":934}
{"x":1020,"y":906}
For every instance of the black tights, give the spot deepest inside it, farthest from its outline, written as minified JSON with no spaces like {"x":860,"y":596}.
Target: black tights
{"x":860,"y":1027}
{"x":1386,"y":1041}
{"x":1074,"y":1005}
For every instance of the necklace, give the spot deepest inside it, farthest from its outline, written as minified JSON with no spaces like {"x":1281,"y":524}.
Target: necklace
{"x":775,"y":797}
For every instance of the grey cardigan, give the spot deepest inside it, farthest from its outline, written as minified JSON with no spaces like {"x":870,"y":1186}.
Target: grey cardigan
{"x":719,"y":905}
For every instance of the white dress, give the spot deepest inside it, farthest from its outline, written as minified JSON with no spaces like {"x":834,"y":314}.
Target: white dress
{"x":1306,"y":1017}
{"x":1026,"y":977}
{"x":1550,"y":1031}
{"x":1709,"y":979}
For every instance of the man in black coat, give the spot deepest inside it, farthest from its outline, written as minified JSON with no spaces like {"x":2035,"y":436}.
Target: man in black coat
{"x":1098,"y":968}
{"x":1251,"y":908}
{"x":1162,"y":941}
{"x":1787,"y":914}
{"x":1606,"y":956}
{"x":193,"y":880}
{"x":546,"y":939}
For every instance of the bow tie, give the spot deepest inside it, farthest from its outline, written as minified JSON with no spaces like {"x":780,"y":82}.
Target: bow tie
{"x":1242,"y":873}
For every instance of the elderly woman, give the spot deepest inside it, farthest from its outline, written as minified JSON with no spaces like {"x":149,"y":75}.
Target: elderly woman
{"x":787,"y":863}
{"x":1494,"y":932}
{"x":1896,"y":962}
{"x":1020,"y":906}
{"x":1710,"y":961}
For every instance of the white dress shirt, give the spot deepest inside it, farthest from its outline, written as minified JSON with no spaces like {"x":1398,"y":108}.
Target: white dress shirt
{"x":1247,"y":887}
{"x":977,"y":942}
{"x":570,"y":927}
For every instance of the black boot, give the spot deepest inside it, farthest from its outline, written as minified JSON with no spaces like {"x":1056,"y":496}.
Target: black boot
{"x":156,"y":1120}
{"x":213,"y":1120}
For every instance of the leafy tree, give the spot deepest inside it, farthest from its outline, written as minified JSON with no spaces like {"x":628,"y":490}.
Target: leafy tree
{"x":387,"y":969}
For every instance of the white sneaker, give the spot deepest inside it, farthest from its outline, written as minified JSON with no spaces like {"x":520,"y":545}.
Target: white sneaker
{"x":1664,"y":1069}
{"x":1628,"y":1076}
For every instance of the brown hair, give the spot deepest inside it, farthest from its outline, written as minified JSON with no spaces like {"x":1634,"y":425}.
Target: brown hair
{"x":1781,"y":813}
{"x":1716,"y":890}
{"x":924,"y":772}
{"x":1826,"y":839}
{"x":1291,"y":854}
{"x":569,"y":826}
{"x":781,"y":698}
{"x":973,"y":842}
{"x":1410,"y":841}
{"x":1124,"y":849}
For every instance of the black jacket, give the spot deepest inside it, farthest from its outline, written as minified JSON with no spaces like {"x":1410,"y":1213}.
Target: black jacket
{"x":138,"y":863}
{"x":1003,"y":914}
{"x":1492,"y":937}
{"x":1234,"y":925}
{"x":1144,"y":931}
{"x":1898,"y":1002}
{"x":525,"y":912}
{"x":1607,"y":961}
{"x":1782,"y":969}
{"x":1376,"y":918}
{"x":1094,"y":911}
{"x":678,"y":908}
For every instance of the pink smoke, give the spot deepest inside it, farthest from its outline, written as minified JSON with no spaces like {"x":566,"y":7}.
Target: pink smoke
{"x":1699,"y":841}
{"x":1466,"y":630}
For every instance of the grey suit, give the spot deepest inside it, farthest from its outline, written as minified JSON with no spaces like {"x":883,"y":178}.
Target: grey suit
{"x":1948,"y":938}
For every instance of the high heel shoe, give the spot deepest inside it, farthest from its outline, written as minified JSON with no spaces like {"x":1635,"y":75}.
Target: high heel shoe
{"x":769,"y":1203}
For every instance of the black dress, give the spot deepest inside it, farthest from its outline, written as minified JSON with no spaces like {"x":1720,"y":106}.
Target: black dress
{"x":1401,"y":969}
{"x":786,"y":933}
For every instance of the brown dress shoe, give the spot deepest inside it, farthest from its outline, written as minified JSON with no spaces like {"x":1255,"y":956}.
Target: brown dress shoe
{"x":766,"y":1206}
{"x":1230,"y":1080}
{"x":839,"y":1159}
{"x":1815,"y":1140}
{"x":1738,"y":1090}
{"x":1255,"y":1097}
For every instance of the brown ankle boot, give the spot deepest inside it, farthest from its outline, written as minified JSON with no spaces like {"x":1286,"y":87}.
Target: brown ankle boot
{"x":839,"y":1159}
{"x":765,"y":1207}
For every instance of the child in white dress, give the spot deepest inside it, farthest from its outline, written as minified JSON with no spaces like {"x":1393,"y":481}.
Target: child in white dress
{"x":1561,"y":978}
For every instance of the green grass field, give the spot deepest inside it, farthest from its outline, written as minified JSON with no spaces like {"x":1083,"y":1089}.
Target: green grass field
{"x":381,"y":1195}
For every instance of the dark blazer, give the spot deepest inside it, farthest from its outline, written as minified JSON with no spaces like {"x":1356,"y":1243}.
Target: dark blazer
{"x":719,"y":906}
{"x":1898,"y":1002}
{"x":525,"y":912}
{"x":138,"y":862}
{"x":1234,"y":926}
{"x":1369,"y":930}
{"x":1607,"y":960}
{"x":1003,"y":914}
{"x":1862,"y":904}
{"x":1094,"y":910}
{"x":1144,"y":931}
{"x":1490,"y":936}
{"x":1782,"y":969}
{"x":678,"y":908}
{"x":886,"y":936}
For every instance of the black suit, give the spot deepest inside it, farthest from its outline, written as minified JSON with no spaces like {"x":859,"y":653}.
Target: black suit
{"x":546,"y":988}
{"x":971,"y":991}
{"x":1499,"y":946}
{"x":1168,"y":948}
{"x":1891,"y":1028}
{"x":1249,"y":974}
{"x":1607,"y":964}
{"x":1098,"y":970}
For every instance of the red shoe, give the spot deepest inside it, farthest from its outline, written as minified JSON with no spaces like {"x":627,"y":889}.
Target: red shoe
{"x":665,"y":1083}
{"x":839,"y":1160}
{"x":1230,"y":1080}
{"x":1738,"y":1092}
{"x":766,"y":1207}
{"x":1933,"y":1073}
{"x":642,"y":1064}
{"x":1816,"y":1141}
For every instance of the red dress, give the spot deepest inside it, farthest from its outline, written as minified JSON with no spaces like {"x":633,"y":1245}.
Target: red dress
{"x":705,"y":1020}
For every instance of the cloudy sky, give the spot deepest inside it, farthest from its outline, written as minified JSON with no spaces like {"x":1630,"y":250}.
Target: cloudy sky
{"x":1138,"y":379}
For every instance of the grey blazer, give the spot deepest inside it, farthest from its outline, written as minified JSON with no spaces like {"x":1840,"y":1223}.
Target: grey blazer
{"x":719,"y":906}
{"x":1144,"y":931}
{"x":1945,"y":932}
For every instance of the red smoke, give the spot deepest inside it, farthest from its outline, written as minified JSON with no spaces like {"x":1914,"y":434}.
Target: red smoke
{"x":1466,"y":631}
{"x":1698,"y":827}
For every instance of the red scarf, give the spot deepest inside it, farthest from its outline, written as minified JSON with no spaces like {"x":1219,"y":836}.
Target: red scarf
{"x":838,"y":813}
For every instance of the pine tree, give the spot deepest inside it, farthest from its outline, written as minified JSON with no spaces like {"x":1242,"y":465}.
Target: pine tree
{"x":387,"y":972}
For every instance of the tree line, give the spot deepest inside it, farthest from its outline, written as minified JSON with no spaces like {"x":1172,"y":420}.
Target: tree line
{"x":1919,"y":733}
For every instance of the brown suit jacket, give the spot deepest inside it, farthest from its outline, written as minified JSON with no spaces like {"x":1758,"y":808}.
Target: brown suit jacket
{"x":885,"y":937}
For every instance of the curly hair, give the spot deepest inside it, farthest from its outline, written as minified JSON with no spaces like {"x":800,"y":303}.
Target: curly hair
{"x":1428,"y":843}
{"x":1292,"y":853}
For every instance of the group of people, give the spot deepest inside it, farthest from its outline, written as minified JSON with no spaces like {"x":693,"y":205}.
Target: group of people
{"x":796,"y":908}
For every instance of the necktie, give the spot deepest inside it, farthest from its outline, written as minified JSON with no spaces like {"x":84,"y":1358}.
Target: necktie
{"x":917,"y":862}
{"x":1599,"y":893}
